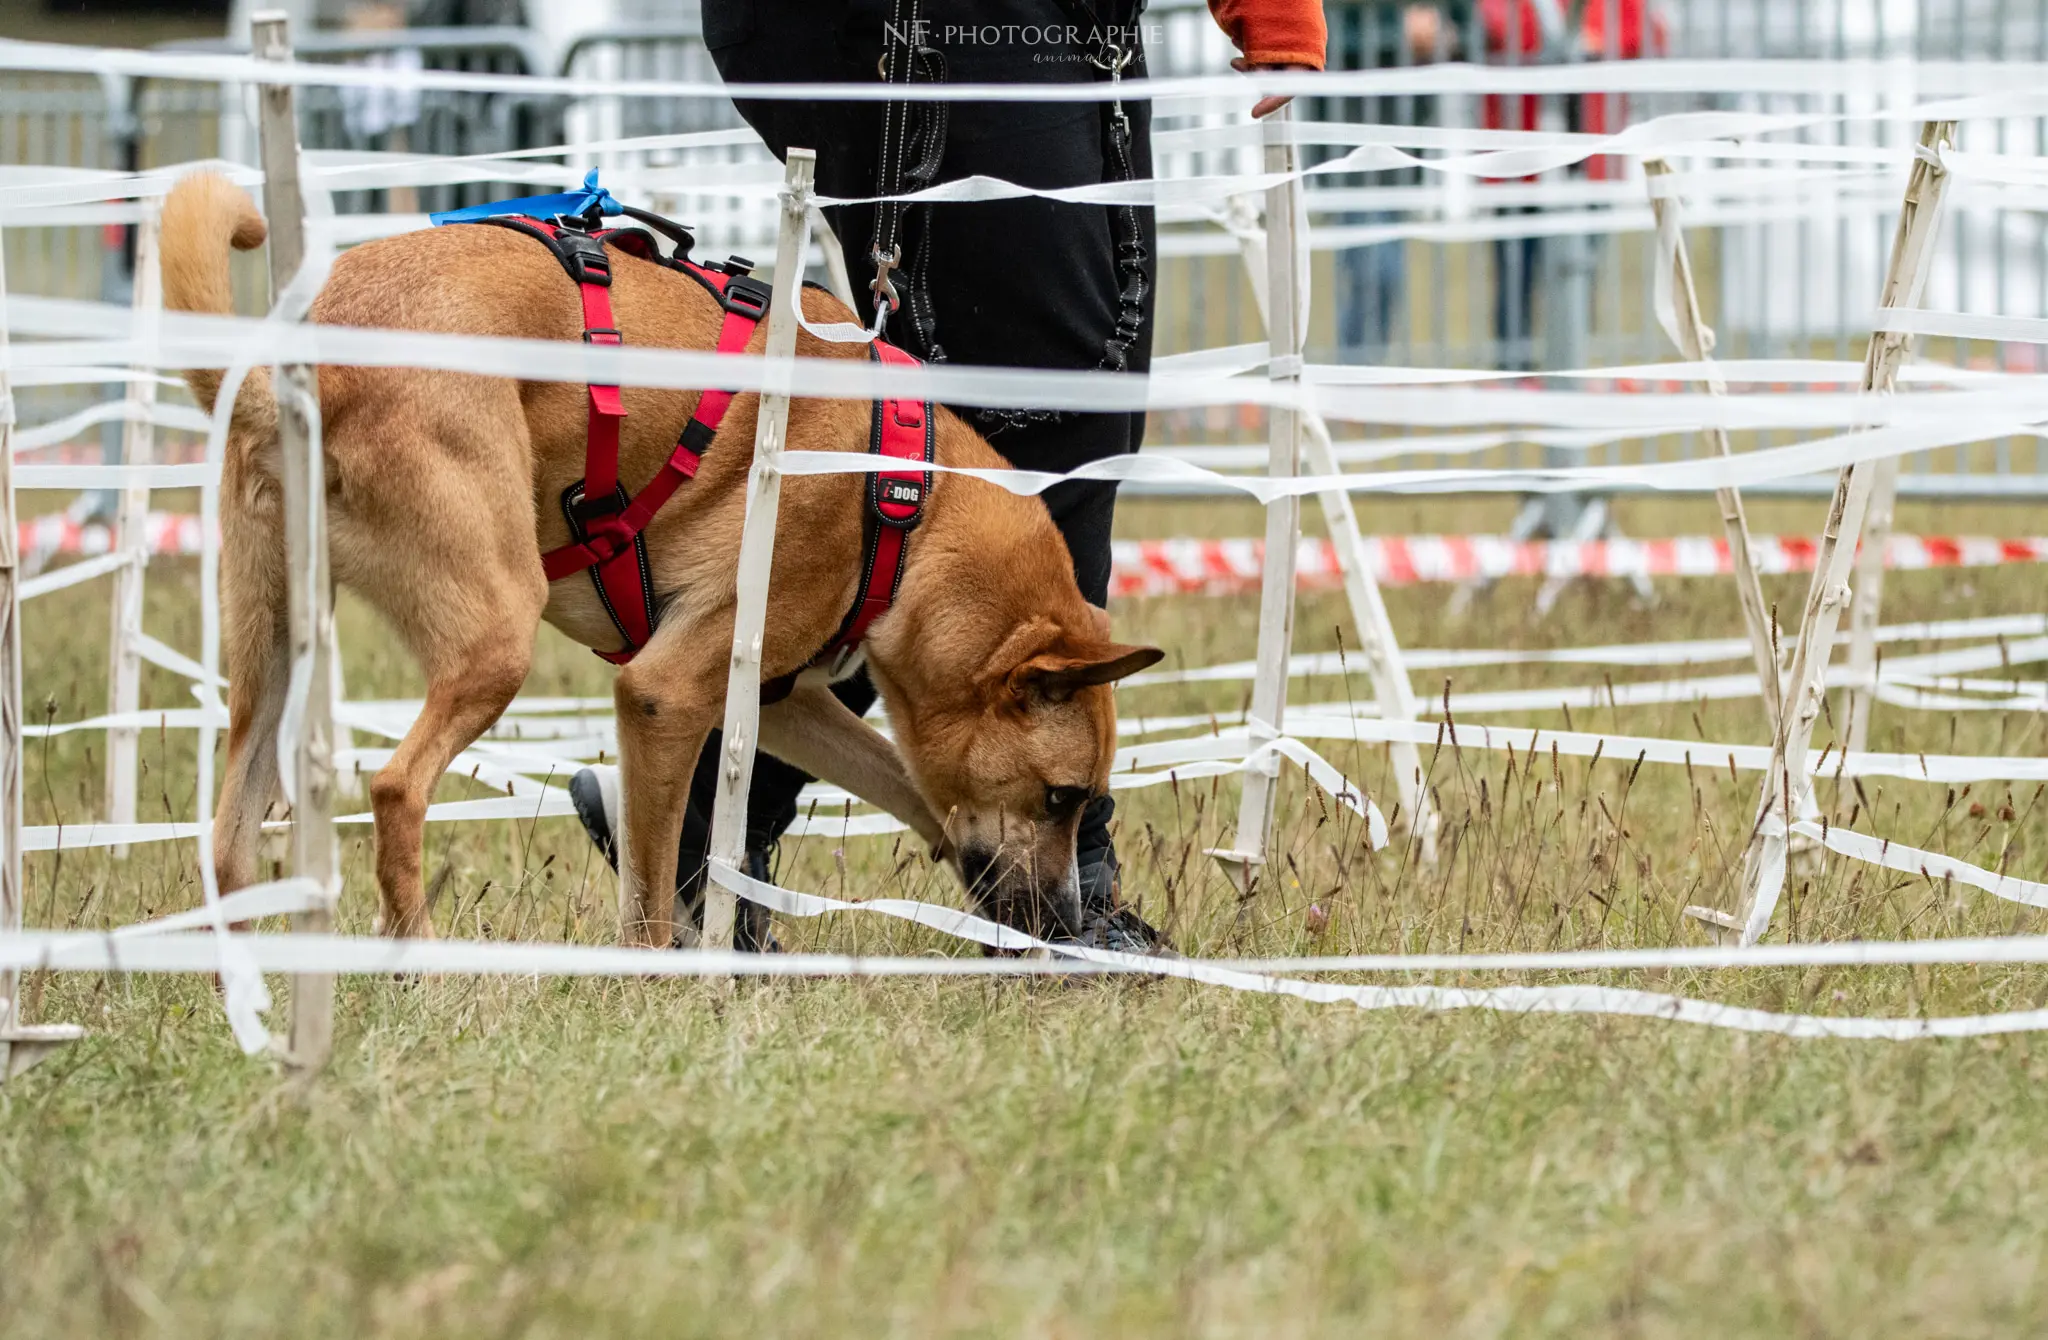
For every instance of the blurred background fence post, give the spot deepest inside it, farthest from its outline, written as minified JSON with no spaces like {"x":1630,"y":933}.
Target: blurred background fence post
{"x":131,"y":537}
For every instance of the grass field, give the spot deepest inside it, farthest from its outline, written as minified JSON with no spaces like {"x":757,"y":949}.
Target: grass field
{"x":971,"y":1157}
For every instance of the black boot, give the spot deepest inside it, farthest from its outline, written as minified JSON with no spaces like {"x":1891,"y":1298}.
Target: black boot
{"x":586,"y":795}
{"x":1105,"y":922}
{"x":752,"y":931}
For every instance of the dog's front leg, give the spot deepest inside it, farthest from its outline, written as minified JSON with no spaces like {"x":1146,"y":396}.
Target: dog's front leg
{"x":815,"y":731}
{"x":666,"y":706}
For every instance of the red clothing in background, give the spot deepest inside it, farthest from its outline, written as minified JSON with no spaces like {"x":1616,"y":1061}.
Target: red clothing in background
{"x":1274,"y":32}
{"x":1598,"y":113}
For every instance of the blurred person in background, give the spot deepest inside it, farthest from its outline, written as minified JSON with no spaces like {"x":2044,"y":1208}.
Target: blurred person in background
{"x":1530,"y":32}
{"x":1030,"y":282}
{"x":1372,"y":280}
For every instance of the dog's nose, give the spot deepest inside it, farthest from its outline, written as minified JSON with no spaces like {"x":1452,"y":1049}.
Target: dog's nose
{"x":1065,"y":905}
{"x":975,"y":865}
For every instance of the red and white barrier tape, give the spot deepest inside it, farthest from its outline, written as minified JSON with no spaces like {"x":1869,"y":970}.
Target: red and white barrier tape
{"x":1227,"y":567}
{"x":163,"y":532}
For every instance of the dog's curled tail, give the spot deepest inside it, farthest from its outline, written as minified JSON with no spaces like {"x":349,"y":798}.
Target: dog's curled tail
{"x":204,"y":215}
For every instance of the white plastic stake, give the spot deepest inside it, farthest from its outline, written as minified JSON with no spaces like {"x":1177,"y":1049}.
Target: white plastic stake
{"x":1786,"y":782}
{"x":757,"y":555}
{"x":1377,"y":645}
{"x":138,"y":447}
{"x":10,"y":696}
{"x":1381,"y":651}
{"x":1863,"y":610}
{"x":315,"y":853}
{"x":1696,"y":344}
{"x":1678,"y":307}
{"x":1284,"y":308}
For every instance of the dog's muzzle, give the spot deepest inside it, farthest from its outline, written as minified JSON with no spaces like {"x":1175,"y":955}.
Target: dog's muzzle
{"x":1002,"y":888}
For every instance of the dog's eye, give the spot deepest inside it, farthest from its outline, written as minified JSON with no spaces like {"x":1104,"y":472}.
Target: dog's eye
{"x":1062,"y":801}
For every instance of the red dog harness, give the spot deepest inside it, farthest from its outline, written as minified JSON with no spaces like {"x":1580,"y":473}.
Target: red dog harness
{"x":608,"y":526}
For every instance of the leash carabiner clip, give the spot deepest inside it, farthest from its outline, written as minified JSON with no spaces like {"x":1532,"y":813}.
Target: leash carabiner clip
{"x":1118,"y":56}
{"x":881,"y":286}
{"x":1113,"y":58}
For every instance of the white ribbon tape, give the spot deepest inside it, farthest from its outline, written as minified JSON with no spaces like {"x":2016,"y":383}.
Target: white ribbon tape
{"x":73,"y":574}
{"x":365,"y":956}
{"x":183,"y":418}
{"x":1985,"y":409}
{"x":2001,"y":88}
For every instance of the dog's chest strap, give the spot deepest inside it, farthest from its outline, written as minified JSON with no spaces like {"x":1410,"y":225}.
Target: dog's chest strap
{"x":901,"y":430}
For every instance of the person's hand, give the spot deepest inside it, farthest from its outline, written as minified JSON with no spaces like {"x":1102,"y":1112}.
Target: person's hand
{"x":1266,"y":106}
{"x":1423,"y":27}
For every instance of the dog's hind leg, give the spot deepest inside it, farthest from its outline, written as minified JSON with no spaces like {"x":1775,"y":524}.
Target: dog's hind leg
{"x":466,"y":693}
{"x":434,"y":528}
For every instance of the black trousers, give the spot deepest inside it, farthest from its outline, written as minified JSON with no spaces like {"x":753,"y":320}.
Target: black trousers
{"x":1013,"y":283}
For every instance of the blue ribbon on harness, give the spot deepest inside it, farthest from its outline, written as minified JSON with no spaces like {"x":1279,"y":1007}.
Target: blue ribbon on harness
{"x":592,"y":196}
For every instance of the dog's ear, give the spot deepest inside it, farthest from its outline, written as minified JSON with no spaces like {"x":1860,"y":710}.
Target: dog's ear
{"x":1041,"y":662}
{"x":1025,"y":641}
{"x":1054,"y":676}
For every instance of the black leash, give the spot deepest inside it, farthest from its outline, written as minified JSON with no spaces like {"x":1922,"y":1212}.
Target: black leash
{"x":914,"y":143}
{"x":1132,"y":284}
{"x":1117,"y":45}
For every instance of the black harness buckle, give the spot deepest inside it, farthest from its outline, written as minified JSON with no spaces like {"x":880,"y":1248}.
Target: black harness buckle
{"x":583,"y":257}
{"x":746,"y":297}
{"x":582,"y":510}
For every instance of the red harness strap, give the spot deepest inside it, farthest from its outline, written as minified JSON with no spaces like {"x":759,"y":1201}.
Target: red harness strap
{"x":608,"y":526}
{"x":606,"y":523}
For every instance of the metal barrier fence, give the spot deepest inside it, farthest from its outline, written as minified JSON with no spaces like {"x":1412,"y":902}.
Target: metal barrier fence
{"x":723,"y":224}
{"x":1801,"y":284}
{"x":180,"y":122}
{"x":1411,"y":268}
{"x":127,"y":124}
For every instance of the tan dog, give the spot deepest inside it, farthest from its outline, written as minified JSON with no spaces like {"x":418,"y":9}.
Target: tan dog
{"x":441,"y":488}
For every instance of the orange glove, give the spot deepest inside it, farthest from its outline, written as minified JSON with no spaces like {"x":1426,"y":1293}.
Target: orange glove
{"x":1274,"y":32}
